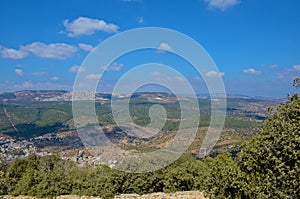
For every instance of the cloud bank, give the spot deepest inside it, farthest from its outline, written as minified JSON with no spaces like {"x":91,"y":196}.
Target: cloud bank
{"x":88,"y":26}
{"x":221,"y":4}
{"x":214,"y":74}
{"x":252,"y":71}
{"x":51,"y":51}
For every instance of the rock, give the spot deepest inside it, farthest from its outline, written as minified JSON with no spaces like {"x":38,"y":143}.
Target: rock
{"x":176,"y":195}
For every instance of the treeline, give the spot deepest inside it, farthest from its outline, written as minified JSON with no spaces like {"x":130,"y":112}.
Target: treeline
{"x":52,"y":176}
{"x":268,"y":166}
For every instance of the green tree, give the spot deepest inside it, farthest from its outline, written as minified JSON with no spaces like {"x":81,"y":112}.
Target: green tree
{"x":270,"y":161}
{"x":3,"y":180}
{"x":297,"y":82}
{"x":182,"y":175}
{"x":221,"y":178}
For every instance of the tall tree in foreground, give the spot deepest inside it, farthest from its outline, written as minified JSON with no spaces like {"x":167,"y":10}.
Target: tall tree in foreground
{"x":270,"y":161}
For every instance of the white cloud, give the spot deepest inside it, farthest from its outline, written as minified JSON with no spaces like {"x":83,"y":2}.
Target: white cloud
{"x":156,"y":73}
{"x":296,"y":68}
{"x":214,"y":74}
{"x":38,"y":73}
{"x":288,"y":73}
{"x":76,"y":69}
{"x":179,"y":78}
{"x":252,"y":71}
{"x":52,"y":51}
{"x":222,"y":4}
{"x":27,"y":85}
{"x":140,"y":19}
{"x":114,"y":67}
{"x":88,"y":26}
{"x":54,"y":78}
{"x":165,"y":76}
{"x":19,"y":72}
{"x":86,"y":47}
{"x":12,"y":53}
{"x":198,"y":78}
{"x":93,"y":76}
{"x":163,"y":47}
{"x":52,"y":85}
{"x":280,"y":75}
{"x":273,"y":66}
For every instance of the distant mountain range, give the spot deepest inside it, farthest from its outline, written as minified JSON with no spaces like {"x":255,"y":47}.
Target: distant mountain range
{"x":61,"y":95}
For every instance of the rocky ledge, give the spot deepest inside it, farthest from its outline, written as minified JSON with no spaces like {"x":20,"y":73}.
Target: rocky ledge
{"x":176,"y":195}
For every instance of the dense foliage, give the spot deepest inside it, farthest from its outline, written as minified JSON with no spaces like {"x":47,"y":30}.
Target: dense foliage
{"x":271,"y":160}
{"x":268,"y":165}
{"x":52,"y":176}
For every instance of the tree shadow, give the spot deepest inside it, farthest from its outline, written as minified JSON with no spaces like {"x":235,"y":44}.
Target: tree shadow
{"x":27,"y":131}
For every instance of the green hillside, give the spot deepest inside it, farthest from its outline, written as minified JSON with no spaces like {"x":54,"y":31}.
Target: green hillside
{"x":28,"y":118}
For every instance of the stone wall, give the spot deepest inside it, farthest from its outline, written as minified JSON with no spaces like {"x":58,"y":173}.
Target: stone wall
{"x":177,"y":195}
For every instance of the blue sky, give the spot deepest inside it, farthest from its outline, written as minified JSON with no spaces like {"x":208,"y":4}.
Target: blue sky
{"x":254,"y":43}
